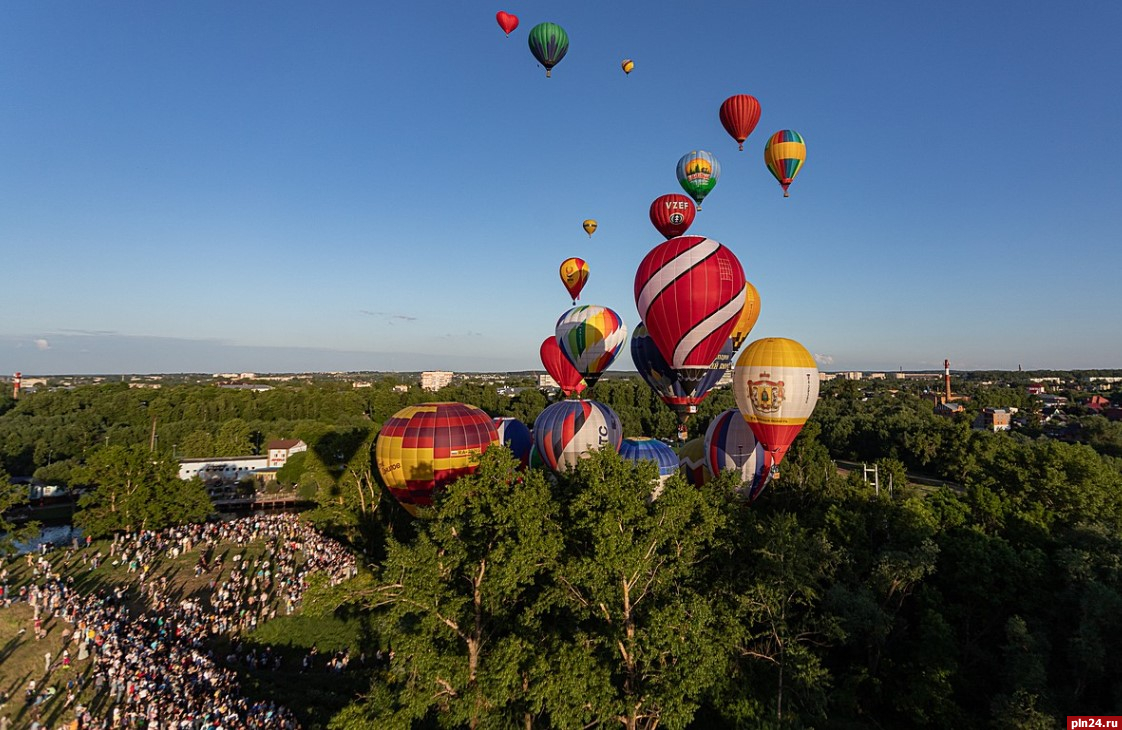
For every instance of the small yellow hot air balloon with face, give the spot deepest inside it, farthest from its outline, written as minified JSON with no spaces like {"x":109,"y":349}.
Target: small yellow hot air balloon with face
{"x":627,"y":65}
{"x":589,"y":227}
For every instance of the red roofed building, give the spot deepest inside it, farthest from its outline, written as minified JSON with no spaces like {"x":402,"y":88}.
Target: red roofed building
{"x":281,"y":449}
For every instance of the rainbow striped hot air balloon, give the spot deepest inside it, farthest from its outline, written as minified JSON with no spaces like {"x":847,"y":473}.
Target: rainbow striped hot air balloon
{"x":784,"y":154}
{"x":730,"y":444}
{"x":426,"y":447}
{"x":775,"y":381}
{"x":697,"y":174}
{"x":690,"y":293}
{"x":591,"y":337}
{"x":569,"y":430}
{"x":549,"y":43}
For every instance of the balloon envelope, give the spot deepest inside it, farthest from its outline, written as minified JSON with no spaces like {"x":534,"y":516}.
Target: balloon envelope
{"x":574,"y":275}
{"x":683,"y":396}
{"x":691,"y":462}
{"x":570,"y":430}
{"x":690,"y":294}
{"x":507,"y":21}
{"x":730,"y":444}
{"x":590,"y":227}
{"x":515,"y":435}
{"x":672,"y":214}
{"x":784,"y":155}
{"x":748,"y":316}
{"x":549,"y":43}
{"x":775,"y":381}
{"x":426,"y":447}
{"x":697,"y":174}
{"x":739,"y":115}
{"x":559,"y":367}
{"x":627,"y":65}
{"x":591,"y":337}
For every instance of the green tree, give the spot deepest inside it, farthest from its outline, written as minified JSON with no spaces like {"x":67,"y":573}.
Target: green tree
{"x":136,"y":489}
{"x":12,"y":496}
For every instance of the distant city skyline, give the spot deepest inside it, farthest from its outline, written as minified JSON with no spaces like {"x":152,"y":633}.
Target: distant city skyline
{"x":283,"y":187}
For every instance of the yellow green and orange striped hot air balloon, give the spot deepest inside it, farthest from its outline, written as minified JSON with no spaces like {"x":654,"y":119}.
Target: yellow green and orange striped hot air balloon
{"x":775,"y":382}
{"x":591,"y":337}
{"x":426,"y":447}
{"x":784,"y":154}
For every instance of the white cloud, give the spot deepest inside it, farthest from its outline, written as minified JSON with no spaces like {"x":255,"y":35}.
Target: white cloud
{"x":823,"y":359}
{"x":42,"y":344}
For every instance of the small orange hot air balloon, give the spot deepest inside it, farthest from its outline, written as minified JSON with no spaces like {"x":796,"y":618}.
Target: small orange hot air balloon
{"x":627,"y":65}
{"x":590,"y":227}
{"x":574,"y":273}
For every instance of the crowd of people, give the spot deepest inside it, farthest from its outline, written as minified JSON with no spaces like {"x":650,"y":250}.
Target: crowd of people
{"x":153,"y":665}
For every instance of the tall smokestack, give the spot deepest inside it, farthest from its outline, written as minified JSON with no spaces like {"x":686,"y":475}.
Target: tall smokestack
{"x":947,"y":379}
{"x":15,"y":385}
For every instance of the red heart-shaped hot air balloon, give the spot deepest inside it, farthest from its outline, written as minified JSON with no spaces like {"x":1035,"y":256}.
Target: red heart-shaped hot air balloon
{"x":739,"y":115}
{"x":690,"y":293}
{"x":672,"y":214}
{"x":507,"y":21}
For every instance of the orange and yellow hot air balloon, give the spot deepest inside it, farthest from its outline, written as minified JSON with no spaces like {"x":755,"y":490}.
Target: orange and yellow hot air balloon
{"x":748,"y":316}
{"x":574,"y":273}
{"x":627,"y":65}
{"x":775,"y":381}
{"x":590,"y":227}
{"x":784,"y":154}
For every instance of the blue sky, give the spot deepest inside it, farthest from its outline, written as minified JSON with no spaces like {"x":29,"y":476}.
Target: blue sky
{"x":272,"y":186}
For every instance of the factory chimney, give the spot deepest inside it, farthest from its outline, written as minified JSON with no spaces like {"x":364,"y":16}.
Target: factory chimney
{"x":947,"y":380}
{"x":15,"y":385}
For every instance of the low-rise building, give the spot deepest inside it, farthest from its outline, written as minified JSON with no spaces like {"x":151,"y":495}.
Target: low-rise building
{"x":994,"y":419}
{"x":436,"y":379}
{"x":281,"y":449}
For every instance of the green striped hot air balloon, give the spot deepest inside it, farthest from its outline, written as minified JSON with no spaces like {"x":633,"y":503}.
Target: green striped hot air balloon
{"x":549,"y":43}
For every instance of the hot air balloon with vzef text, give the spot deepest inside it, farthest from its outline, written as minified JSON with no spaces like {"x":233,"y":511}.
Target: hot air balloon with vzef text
{"x":569,"y":430}
{"x":549,"y":43}
{"x":672,"y":214}
{"x":739,"y":115}
{"x":784,"y":155}
{"x":560,"y":368}
{"x":574,"y":275}
{"x":591,"y":337}
{"x":690,"y":294}
{"x":507,"y":21}
{"x":680,"y":395}
{"x":423,"y":448}
{"x":731,"y":445}
{"x":775,"y":381}
{"x":697,"y":174}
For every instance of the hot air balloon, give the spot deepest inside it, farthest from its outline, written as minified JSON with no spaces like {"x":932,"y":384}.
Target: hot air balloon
{"x":549,"y":43}
{"x":536,"y":461}
{"x":784,"y":154}
{"x":730,"y":444}
{"x":739,"y":115}
{"x":642,"y":449}
{"x":682,"y":396}
{"x":559,"y":367}
{"x":690,"y":294}
{"x":697,"y":174}
{"x":691,"y":462}
{"x":672,"y":214}
{"x":569,"y":430}
{"x":574,"y":274}
{"x":507,"y":21}
{"x":589,"y":227}
{"x":426,"y":447}
{"x":748,"y":316}
{"x":591,"y":336}
{"x":514,"y":434}
{"x":775,"y":382}
{"x":627,"y":65}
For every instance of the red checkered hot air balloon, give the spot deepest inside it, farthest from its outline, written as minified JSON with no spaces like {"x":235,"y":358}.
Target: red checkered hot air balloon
{"x":690,"y":294}
{"x":739,"y":115}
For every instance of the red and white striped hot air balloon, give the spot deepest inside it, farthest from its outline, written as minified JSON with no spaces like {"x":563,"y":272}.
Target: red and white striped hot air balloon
{"x":690,"y":293}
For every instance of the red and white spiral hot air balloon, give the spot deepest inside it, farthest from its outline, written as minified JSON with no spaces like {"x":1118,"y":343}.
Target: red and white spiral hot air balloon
{"x":690,"y":294}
